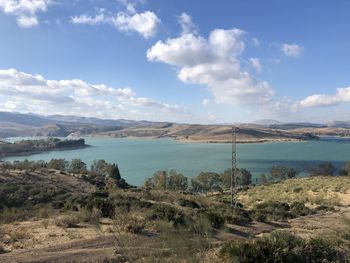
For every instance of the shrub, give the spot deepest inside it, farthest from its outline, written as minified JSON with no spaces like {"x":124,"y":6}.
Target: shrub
{"x":90,"y":216}
{"x":167,"y":213}
{"x":216,"y":220}
{"x":2,"y":249}
{"x":239,"y":216}
{"x":299,"y":209}
{"x":281,"y":246}
{"x":273,"y":210}
{"x":67,"y":221}
{"x":134,"y":228}
{"x":187,"y":203}
{"x":297,"y":189}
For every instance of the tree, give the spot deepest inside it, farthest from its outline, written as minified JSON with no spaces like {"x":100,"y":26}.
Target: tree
{"x":279,"y":172}
{"x":323,"y":169}
{"x":58,"y":164}
{"x":346,"y":169}
{"x":177,"y":181}
{"x":101,"y":167}
{"x":263,"y":179}
{"x":207,"y":182}
{"x":159,"y":181}
{"x":77,"y":166}
{"x":113,"y":171}
{"x":244,"y":177}
{"x":226,"y":179}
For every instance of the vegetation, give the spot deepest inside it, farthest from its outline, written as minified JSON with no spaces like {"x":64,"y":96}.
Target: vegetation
{"x":282,"y":246}
{"x":33,"y":146}
{"x":172,"y":218}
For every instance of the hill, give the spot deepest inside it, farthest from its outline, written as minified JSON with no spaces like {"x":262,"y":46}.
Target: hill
{"x":17,"y":125}
{"x":85,"y":221}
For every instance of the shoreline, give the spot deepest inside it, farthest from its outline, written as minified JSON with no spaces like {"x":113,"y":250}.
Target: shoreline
{"x":209,"y":141}
{"x":21,"y":154}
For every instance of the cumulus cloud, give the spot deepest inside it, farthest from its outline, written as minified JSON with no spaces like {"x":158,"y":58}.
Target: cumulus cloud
{"x":33,"y":93}
{"x":318,"y":100}
{"x":185,"y":20}
{"x":292,"y":50}
{"x":255,"y":62}
{"x":214,"y":62}
{"x":25,"y":10}
{"x":206,"y":102}
{"x":144,"y":23}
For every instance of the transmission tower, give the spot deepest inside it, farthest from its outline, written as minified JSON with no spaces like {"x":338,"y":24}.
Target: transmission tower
{"x":234,"y":169}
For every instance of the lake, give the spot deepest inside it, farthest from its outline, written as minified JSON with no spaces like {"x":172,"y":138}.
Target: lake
{"x":138,"y":159}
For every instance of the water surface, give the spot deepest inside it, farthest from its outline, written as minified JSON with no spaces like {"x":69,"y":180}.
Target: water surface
{"x":140,"y":158}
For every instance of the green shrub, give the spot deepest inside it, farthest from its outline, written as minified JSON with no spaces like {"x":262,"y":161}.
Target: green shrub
{"x":187,"y":203}
{"x":2,"y":249}
{"x":239,"y":216}
{"x":299,"y":209}
{"x":67,"y":221}
{"x":273,"y":210}
{"x":166,"y":213}
{"x":297,"y":189}
{"x":216,"y":220}
{"x":281,"y":246}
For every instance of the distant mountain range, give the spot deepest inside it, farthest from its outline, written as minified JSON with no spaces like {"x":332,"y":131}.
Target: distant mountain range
{"x":13,"y":124}
{"x":295,"y":125}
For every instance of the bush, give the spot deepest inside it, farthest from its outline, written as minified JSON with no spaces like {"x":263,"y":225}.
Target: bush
{"x":272,"y":211}
{"x":299,"y":209}
{"x":67,"y":221}
{"x":90,"y":216}
{"x":216,"y":220}
{"x":239,"y":216}
{"x":134,"y":227}
{"x":187,"y":203}
{"x":2,"y":249}
{"x":281,"y":246}
{"x":167,"y":213}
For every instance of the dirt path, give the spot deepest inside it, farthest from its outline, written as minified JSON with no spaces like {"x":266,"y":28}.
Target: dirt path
{"x":101,"y":247}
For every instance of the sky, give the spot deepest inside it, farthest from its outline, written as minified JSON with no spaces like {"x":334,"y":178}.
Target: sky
{"x":187,"y":61}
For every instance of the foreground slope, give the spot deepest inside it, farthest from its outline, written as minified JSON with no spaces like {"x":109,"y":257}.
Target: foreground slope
{"x":148,"y":225}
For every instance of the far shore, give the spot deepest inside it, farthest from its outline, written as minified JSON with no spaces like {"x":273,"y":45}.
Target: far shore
{"x":19,"y":154}
{"x":184,"y":140}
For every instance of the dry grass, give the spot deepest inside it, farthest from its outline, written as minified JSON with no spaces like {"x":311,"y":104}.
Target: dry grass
{"x":312,"y":191}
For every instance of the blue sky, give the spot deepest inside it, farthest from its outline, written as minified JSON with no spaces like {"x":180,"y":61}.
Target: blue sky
{"x":170,"y":60}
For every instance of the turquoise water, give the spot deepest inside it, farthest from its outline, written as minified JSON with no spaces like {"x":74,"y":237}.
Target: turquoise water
{"x":140,"y":158}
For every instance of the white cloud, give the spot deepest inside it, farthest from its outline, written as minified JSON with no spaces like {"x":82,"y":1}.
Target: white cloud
{"x":27,"y":21}
{"x":85,"y":19}
{"x":342,"y":95}
{"x":25,"y":10}
{"x":214,"y":62}
{"x":206,"y":102}
{"x":255,"y":62}
{"x":292,"y":50}
{"x":144,"y":23}
{"x":33,"y":93}
{"x":185,"y":20}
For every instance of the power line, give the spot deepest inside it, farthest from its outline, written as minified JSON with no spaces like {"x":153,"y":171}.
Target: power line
{"x":234,"y":169}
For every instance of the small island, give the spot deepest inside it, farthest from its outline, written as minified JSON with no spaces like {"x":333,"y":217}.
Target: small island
{"x":26,"y":147}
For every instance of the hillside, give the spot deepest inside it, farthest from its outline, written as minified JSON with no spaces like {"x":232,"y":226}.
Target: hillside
{"x":26,"y":147}
{"x":17,"y":125}
{"x":82,"y":221}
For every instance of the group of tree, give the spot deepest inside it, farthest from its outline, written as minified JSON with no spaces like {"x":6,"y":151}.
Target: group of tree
{"x":205,"y":182}
{"x":25,"y":146}
{"x":279,"y":173}
{"x":208,"y":182}
{"x":164,"y":180}
{"x":101,"y":173}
